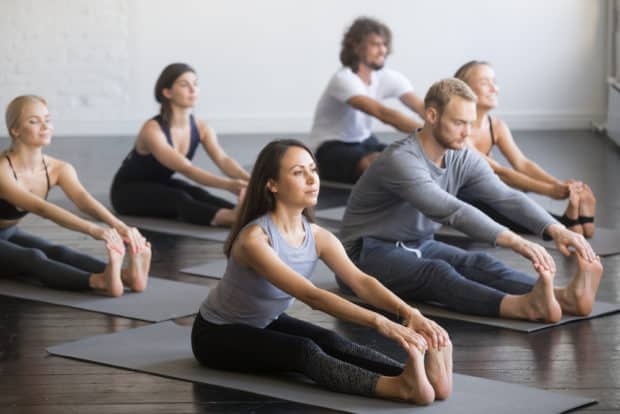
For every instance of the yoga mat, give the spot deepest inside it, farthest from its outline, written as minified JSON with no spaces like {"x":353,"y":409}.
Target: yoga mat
{"x":605,"y":242}
{"x":163,"y":299}
{"x":324,"y":278}
{"x":165,"y":349}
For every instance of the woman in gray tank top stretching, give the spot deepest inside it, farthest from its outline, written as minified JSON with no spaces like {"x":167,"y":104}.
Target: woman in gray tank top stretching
{"x":272,"y":251}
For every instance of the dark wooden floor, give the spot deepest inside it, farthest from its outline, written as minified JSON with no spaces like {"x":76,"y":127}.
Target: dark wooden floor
{"x":580,"y":358}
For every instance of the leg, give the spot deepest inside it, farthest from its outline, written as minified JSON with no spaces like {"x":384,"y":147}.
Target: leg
{"x":527,"y":297}
{"x":587,"y":210}
{"x":338,"y":346}
{"x":338,"y":161}
{"x":222,"y":212}
{"x":226,"y":347}
{"x":63,"y":268}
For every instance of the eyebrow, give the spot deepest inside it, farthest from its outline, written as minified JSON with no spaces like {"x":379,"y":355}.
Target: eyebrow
{"x":302,"y":166}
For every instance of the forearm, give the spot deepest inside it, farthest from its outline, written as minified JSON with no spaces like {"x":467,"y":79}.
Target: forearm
{"x":398,"y":120}
{"x":206,"y":178}
{"x":231,"y":168}
{"x":523,"y":182}
{"x":534,"y":171}
{"x":68,"y":220}
{"x":342,"y":309}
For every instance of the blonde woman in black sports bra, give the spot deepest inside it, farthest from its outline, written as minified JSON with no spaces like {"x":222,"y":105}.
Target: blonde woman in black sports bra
{"x":525,"y":174}
{"x":26,"y":176}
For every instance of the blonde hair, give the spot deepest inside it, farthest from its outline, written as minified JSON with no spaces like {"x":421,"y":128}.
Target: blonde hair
{"x":441,"y":92}
{"x":464,"y":71}
{"x":16,"y":107}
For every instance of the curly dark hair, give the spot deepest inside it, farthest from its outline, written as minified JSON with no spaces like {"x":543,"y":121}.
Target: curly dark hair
{"x":355,"y":36}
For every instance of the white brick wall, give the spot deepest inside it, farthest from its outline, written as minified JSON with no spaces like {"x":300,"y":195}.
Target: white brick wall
{"x":263,"y":64}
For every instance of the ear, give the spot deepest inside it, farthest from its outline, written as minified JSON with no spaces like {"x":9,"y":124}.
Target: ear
{"x":272,"y":186}
{"x":431,"y":115}
{"x":13,"y":132}
{"x":166,"y":92}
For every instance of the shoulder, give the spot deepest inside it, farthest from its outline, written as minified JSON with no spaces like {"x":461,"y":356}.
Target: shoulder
{"x":205,"y":131}
{"x":500,"y":127}
{"x":151,"y":131}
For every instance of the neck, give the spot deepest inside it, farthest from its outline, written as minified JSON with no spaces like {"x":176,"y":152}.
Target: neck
{"x":365,"y":73}
{"x":288,"y":219}
{"x":179,"y":117}
{"x":481,"y":117}
{"x":433,"y":150}
{"x":27,"y":157}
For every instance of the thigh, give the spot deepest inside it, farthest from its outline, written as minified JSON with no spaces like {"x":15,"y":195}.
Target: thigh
{"x":246,"y":348}
{"x":147,"y":198}
{"x":200,"y":194}
{"x":338,"y":160}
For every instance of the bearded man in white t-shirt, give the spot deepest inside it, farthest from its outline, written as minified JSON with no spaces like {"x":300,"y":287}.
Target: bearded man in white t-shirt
{"x":342,"y":128}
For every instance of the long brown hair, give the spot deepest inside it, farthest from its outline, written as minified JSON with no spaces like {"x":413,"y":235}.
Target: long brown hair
{"x":355,"y":36}
{"x":165,"y":81}
{"x":258,"y":199}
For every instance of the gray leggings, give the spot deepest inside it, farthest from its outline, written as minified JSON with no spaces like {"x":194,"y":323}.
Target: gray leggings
{"x":53,"y":265}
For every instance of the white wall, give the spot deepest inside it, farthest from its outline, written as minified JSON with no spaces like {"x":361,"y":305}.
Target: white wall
{"x":263,"y":64}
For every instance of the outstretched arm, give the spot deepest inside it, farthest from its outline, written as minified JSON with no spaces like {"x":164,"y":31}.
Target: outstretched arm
{"x":371,"y":291}
{"x":70,"y":184}
{"x":539,"y":180}
{"x":384,"y":113}
{"x":413,"y":102}
{"x":155,"y":141}
{"x":25,"y":200}
{"x":225,"y":163}
{"x":252,"y":249}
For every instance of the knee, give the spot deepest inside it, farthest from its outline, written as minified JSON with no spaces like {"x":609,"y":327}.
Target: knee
{"x":480,"y":260}
{"x":32,"y":256}
{"x":59,"y":252}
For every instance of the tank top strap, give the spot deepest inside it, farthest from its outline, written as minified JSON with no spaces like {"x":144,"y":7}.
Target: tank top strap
{"x":164,"y":127}
{"x":11,"y":165}
{"x":47,"y":177}
{"x":194,"y":137}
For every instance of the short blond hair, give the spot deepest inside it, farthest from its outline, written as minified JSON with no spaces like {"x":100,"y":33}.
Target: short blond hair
{"x":16,"y":107}
{"x":442,"y":91}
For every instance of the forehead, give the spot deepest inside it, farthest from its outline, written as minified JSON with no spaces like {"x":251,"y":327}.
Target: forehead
{"x":296,"y":156}
{"x":482,"y":71}
{"x":374,"y":38}
{"x":34,"y":108}
{"x":187,"y":77}
{"x":460,"y":108}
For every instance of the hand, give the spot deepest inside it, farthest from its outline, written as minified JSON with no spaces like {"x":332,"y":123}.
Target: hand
{"x":112,"y":239}
{"x":559,"y":191}
{"x":565,"y":238}
{"x":133,"y":238}
{"x":405,"y":336}
{"x":235,"y":185}
{"x":436,"y":337}
{"x":535,"y":253}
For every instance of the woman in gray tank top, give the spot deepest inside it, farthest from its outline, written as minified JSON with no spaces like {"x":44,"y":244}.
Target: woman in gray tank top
{"x":272,"y":251}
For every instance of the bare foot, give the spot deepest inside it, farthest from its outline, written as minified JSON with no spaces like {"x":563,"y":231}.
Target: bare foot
{"x":226,"y":217}
{"x":578,"y":297}
{"x":438,"y":365}
{"x":572,"y":210}
{"x":137,"y":274}
{"x":109,"y":282}
{"x":587,"y":208}
{"x":539,"y":304}
{"x":415,"y":386}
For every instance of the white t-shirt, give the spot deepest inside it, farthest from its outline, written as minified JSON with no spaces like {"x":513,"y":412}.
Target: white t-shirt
{"x":335,"y":119}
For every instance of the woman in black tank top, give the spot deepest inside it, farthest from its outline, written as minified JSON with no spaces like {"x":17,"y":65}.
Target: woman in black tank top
{"x":26,"y":176}
{"x":144,"y":186}
{"x":525,"y":174}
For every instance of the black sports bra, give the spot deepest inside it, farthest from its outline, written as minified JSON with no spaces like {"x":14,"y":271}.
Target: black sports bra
{"x":7,"y":210}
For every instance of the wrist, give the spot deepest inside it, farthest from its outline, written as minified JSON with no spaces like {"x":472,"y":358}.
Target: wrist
{"x":553,"y":230}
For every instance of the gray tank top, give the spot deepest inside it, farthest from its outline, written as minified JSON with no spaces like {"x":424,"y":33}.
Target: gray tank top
{"x":243,"y":296}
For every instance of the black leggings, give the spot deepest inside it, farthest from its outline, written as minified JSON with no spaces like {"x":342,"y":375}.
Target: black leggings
{"x":289,"y":344}
{"x":170,"y":198}
{"x":53,"y":265}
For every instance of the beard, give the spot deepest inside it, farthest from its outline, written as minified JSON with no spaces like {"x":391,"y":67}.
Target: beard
{"x":443,"y":140}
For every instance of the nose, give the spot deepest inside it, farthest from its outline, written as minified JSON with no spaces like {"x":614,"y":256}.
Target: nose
{"x":310,"y":177}
{"x":466,"y":131}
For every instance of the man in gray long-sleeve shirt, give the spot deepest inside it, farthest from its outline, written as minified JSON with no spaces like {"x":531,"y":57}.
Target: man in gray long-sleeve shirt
{"x":417,"y":184}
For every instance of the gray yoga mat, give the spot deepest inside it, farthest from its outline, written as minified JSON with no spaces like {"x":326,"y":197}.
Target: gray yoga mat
{"x":162,"y":300}
{"x":324,"y":278}
{"x":165,"y":349}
